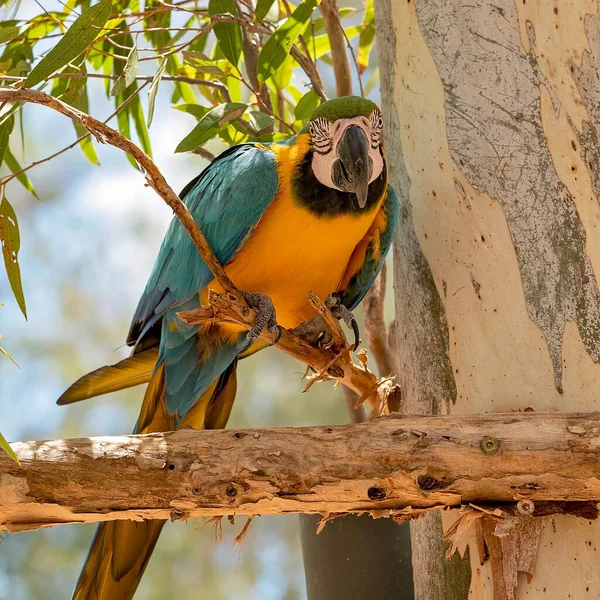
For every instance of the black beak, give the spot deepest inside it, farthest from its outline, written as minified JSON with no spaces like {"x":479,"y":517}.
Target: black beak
{"x":352,"y":171}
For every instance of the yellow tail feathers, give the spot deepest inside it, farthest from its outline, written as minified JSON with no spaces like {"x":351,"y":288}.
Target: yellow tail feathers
{"x":131,"y":371}
{"x":121,"y":549}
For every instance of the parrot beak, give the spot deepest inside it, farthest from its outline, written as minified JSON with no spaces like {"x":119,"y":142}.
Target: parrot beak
{"x":352,"y":171}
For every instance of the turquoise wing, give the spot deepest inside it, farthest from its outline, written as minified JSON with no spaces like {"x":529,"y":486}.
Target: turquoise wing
{"x":372,"y":252}
{"x":227,"y":201}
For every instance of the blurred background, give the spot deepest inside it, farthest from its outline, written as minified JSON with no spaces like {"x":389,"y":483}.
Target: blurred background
{"x":86,"y":251}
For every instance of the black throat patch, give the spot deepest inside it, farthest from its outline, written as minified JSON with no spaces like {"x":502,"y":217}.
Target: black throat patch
{"x":325,"y":201}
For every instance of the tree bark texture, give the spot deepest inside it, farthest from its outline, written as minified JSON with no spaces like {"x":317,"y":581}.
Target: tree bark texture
{"x":493,"y":135}
{"x":391,"y":466}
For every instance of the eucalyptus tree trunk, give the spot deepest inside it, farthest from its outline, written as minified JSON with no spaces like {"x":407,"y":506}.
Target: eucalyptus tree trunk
{"x":493,"y":120}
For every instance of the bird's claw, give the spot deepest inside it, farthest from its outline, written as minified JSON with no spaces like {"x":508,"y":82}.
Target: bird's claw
{"x":316,"y":332}
{"x":266,"y":318}
{"x":339,"y":311}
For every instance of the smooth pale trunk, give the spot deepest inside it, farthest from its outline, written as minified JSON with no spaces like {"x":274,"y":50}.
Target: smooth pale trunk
{"x":492,"y":111}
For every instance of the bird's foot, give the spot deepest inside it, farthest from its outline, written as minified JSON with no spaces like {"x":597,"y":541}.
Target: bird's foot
{"x":316,"y":332}
{"x":266,"y":318}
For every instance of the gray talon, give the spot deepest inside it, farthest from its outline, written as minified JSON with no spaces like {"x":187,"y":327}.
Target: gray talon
{"x":266,"y":318}
{"x":334,"y":304}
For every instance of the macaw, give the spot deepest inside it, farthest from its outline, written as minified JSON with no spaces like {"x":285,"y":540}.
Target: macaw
{"x":314,"y":212}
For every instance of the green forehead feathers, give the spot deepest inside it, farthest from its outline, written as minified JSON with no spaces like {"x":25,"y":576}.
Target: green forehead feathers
{"x":344,"y":108}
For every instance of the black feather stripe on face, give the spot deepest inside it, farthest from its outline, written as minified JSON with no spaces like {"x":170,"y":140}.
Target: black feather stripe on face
{"x":325,"y":201}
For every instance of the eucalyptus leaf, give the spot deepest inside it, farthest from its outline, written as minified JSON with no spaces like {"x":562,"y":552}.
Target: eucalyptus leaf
{"x":278,"y":46}
{"x":209,"y":125}
{"x":13,"y":164}
{"x":197,"y":110}
{"x":10,"y":239}
{"x":8,"y":33}
{"x":77,"y":38}
{"x":4,"y":444}
{"x":262,"y":9}
{"x":154,"y":88}
{"x":137,"y":114}
{"x":87,"y":143}
{"x":202,"y":63}
{"x":229,"y":35}
{"x":367,"y":37}
{"x":127,"y":77}
{"x":7,"y":355}
{"x":260,"y":120}
{"x":306,"y":106}
{"x":5,"y":130}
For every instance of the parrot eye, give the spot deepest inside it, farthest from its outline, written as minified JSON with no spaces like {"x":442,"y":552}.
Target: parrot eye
{"x":376,"y":128}
{"x":320,"y":133}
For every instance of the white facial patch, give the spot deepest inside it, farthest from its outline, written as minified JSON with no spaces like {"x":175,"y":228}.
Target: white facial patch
{"x":325,"y":140}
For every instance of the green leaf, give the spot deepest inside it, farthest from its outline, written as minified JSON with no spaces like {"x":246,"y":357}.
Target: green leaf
{"x":229,"y":35}
{"x":124,"y":127}
{"x":13,"y":164}
{"x":137,"y":114}
{"x":7,"y":355}
{"x":10,"y":240}
{"x":367,"y":37}
{"x":283,"y":76}
{"x":5,"y":446}
{"x":306,"y":105}
{"x":8,"y":33}
{"x":202,"y":63}
{"x":197,"y":110}
{"x":154,"y":88}
{"x":77,"y":38}
{"x":278,"y":46}
{"x":87,"y":143}
{"x":320,"y":45}
{"x":260,"y":120}
{"x":262,"y":9}
{"x":127,"y":77}
{"x":5,"y":130}
{"x":209,"y":125}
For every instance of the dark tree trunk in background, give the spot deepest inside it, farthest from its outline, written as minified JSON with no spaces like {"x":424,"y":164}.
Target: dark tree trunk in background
{"x":356,"y":558}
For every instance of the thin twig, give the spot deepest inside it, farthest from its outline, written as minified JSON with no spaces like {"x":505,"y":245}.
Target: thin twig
{"x":119,"y":108}
{"x":154,"y":178}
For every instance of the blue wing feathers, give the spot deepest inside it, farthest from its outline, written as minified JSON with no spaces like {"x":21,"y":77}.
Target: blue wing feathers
{"x":373,"y":261}
{"x":227,"y":201}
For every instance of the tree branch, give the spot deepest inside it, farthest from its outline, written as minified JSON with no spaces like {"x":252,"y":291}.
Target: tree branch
{"x":339,"y":56}
{"x":392,"y":466}
{"x":230,"y":305}
{"x":375,"y":324}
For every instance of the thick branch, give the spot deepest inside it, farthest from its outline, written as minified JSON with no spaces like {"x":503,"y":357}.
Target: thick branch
{"x":339,"y":55}
{"x":375,"y":324}
{"x":394,"y":466}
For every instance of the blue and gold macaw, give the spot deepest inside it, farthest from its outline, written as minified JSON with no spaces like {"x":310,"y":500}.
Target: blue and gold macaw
{"x":314,"y":212}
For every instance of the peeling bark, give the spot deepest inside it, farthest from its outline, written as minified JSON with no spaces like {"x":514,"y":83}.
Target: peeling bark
{"x":424,"y":370}
{"x":496,"y":137}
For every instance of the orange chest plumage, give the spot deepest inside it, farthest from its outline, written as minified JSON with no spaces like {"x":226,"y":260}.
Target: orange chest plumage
{"x":293,"y":251}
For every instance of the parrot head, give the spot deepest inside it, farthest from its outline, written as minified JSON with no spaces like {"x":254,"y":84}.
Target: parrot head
{"x":346,"y":139}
